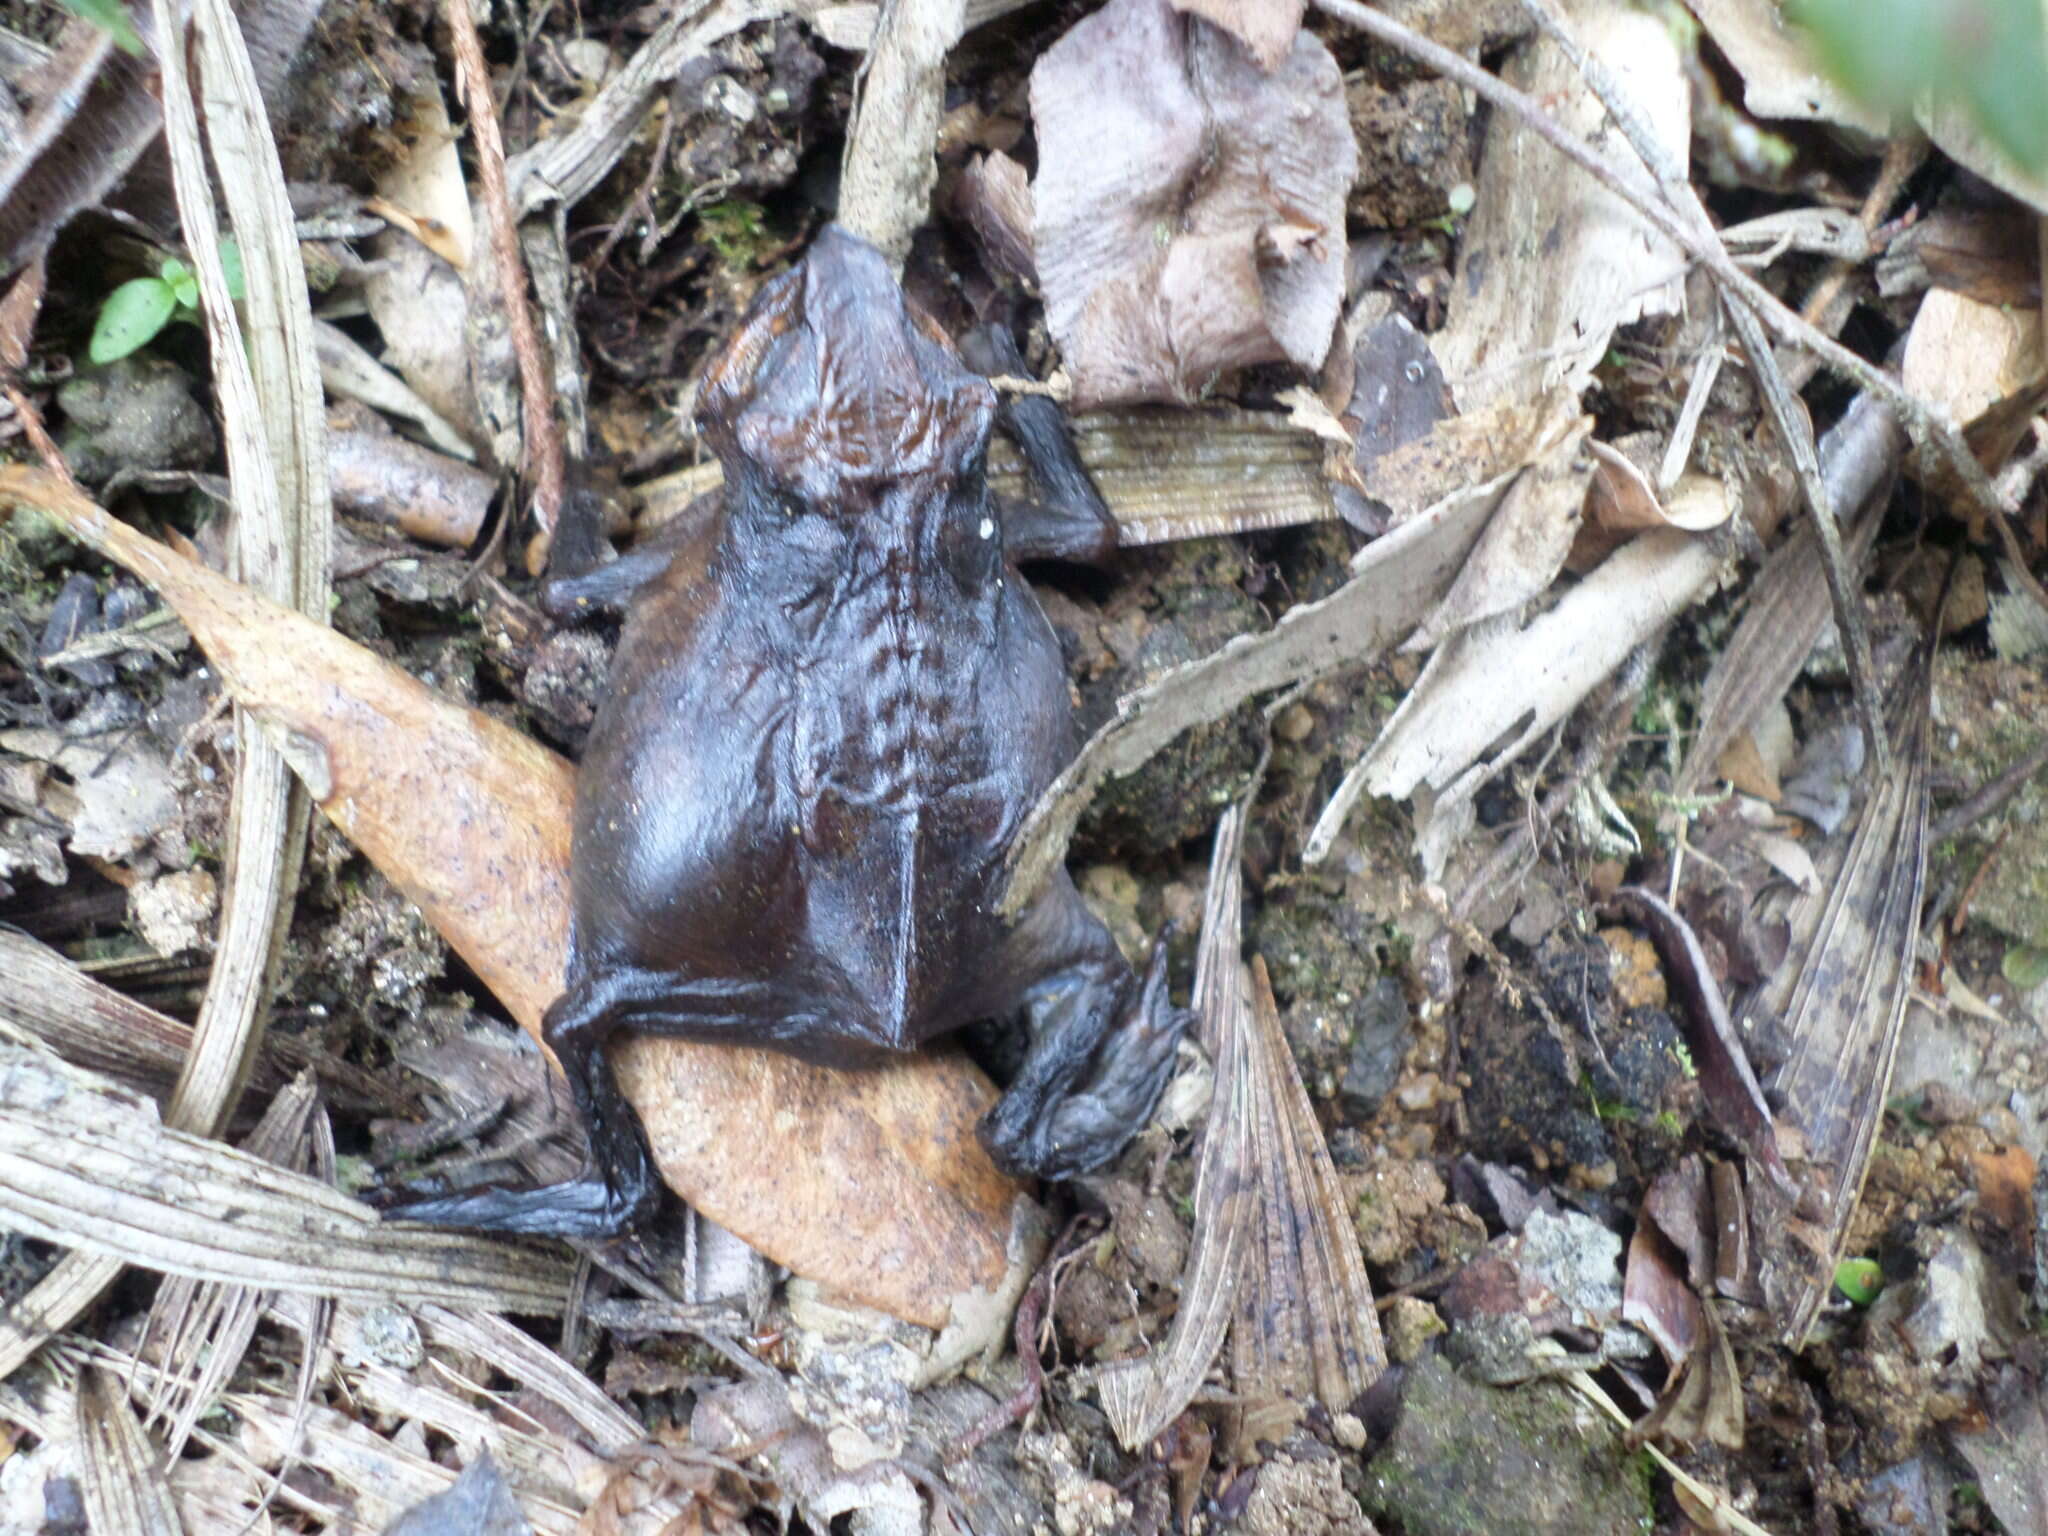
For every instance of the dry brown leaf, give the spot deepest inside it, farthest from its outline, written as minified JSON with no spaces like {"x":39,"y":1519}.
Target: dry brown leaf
{"x":1306,"y":1324}
{"x":880,"y":1189}
{"x":1189,"y":206}
{"x":1143,"y":1396}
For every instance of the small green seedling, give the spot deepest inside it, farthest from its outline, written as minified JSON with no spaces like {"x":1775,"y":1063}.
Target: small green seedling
{"x":137,"y":310}
{"x":111,"y":17}
{"x":1860,"y":1280}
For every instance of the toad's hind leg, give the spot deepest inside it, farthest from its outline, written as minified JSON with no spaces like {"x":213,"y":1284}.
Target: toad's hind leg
{"x":1102,"y":1044}
{"x":622,"y":1187}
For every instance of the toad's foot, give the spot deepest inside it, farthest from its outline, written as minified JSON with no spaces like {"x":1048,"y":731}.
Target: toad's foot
{"x":587,"y":1208}
{"x":1077,"y":1127}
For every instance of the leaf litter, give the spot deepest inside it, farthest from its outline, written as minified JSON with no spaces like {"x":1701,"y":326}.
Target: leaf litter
{"x":1503,"y":531}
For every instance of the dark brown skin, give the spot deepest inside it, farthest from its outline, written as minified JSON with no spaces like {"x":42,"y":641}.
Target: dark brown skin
{"x":834,"y":702}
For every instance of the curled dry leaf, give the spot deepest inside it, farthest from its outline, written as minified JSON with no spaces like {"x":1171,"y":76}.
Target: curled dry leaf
{"x":1189,"y":205}
{"x":883,"y":1194}
{"x":1621,"y":503}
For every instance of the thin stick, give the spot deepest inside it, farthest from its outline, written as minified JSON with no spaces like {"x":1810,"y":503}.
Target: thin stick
{"x":541,"y":437}
{"x":1709,"y":1497}
{"x":1902,"y":157}
{"x":1989,"y":797}
{"x":1922,"y":424}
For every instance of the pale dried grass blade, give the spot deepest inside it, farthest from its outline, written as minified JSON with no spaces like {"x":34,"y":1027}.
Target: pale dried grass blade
{"x":91,"y":1025}
{"x":91,"y":1166}
{"x":279,"y":532}
{"x":125,"y":1490}
{"x":1143,"y":1396}
{"x":67,"y":1290}
{"x":375,"y":1480}
{"x":532,"y":1459}
{"x":201,"y":1330}
{"x":526,"y":1360}
{"x":1842,"y":1006}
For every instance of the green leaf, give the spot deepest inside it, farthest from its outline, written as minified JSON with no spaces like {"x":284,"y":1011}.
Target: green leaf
{"x":231,"y":264}
{"x":184,"y":286}
{"x":1860,"y":1280}
{"x":2025,"y":966}
{"x":1990,"y":55}
{"x":111,"y":17}
{"x":131,"y":316}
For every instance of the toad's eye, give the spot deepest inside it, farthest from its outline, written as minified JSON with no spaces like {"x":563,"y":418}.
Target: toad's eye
{"x":790,"y":505}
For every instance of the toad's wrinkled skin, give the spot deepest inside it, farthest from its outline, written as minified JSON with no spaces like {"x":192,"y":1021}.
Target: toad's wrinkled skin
{"x":834,"y":702}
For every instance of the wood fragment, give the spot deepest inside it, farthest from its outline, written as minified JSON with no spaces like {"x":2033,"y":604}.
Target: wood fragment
{"x":885,"y":183}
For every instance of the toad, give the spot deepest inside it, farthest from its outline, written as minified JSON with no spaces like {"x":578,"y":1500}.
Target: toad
{"x":833,"y":704}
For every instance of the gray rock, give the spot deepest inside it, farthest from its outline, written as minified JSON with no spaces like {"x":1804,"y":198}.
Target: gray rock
{"x":139,"y":414}
{"x":1534,"y":1460}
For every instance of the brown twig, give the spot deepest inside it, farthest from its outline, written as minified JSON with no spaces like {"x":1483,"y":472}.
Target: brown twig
{"x":1902,"y":157}
{"x":1989,"y":797}
{"x":1927,"y":429}
{"x":542,"y":466}
{"x":18,"y":311}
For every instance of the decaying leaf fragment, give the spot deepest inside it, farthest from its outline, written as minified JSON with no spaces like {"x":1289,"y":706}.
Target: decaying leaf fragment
{"x":1189,"y":207}
{"x":1306,"y":1325}
{"x":1274,"y":1257}
{"x":881,"y":1192}
{"x":1669,"y":1292}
